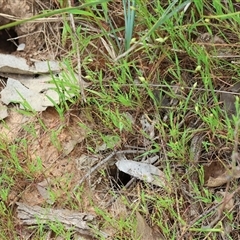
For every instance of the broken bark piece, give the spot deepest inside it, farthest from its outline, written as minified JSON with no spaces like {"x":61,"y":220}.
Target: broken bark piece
{"x":33,"y":215}
{"x":12,"y":64}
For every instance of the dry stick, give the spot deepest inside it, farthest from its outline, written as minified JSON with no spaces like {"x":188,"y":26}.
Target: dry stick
{"x":79,"y":67}
{"x":101,"y":163}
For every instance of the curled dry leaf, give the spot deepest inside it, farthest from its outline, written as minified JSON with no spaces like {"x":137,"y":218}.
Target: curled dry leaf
{"x":215,"y":174}
{"x":143,"y":171}
{"x":220,"y":180}
{"x":144,"y":231}
{"x":15,"y":90}
{"x":18,"y":65}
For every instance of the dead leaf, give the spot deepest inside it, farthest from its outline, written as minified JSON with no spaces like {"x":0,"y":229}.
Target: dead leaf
{"x":142,"y":171}
{"x":215,"y":174}
{"x":37,"y":92}
{"x":12,"y":64}
{"x":16,"y":92}
{"x":214,"y":169}
{"x":220,"y":180}
{"x":144,"y":231}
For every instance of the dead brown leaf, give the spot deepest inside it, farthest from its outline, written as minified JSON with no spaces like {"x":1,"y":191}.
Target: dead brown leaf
{"x":215,"y":174}
{"x":144,"y":231}
{"x":214,"y":169}
{"x":220,"y":180}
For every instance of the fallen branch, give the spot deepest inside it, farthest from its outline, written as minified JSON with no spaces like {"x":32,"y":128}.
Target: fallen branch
{"x":34,"y":215}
